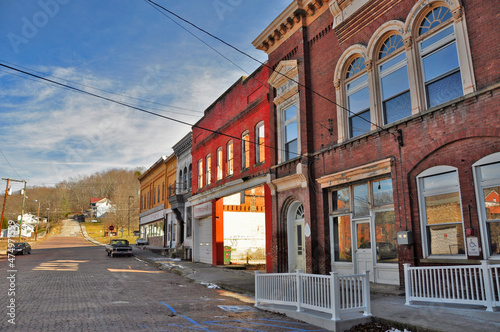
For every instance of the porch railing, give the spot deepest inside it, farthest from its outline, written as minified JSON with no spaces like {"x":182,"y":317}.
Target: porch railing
{"x":331,"y":294}
{"x":478,"y":284}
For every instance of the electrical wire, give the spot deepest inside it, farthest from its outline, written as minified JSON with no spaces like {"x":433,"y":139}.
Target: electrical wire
{"x":8,"y":162}
{"x":265,"y":64}
{"x":62,"y":85}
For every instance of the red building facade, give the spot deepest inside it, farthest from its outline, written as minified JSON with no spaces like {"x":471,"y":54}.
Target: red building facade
{"x":386,"y":123}
{"x":231,"y":159}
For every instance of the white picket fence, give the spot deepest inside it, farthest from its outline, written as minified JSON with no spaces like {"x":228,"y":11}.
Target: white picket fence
{"x":476,"y":284}
{"x":351,"y":293}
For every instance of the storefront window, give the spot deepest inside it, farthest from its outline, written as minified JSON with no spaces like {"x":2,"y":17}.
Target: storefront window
{"x":386,"y":237}
{"x":361,"y":205}
{"x":342,"y":238}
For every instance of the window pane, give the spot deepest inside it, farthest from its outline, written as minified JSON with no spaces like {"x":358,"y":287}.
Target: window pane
{"x":385,"y":227}
{"x":446,"y":240}
{"x":490,"y":172}
{"x":434,"y":18}
{"x":361,"y":207}
{"x":444,"y":90}
{"x":340,"y":200}
{"x":355,"y":67}
{"x":494,"y":234}
{"x":359,"y":124}
{"x":290,"y":112}
{"x":291,"y":150}
{"x":444,"y":208}
{"x":437,"y":37}
{"x":440,"y":62}
{"x":382,"y":193}
{"x":397,"y":108}
{"x":392,"y":62}
{"x":390,"y":45}
{"x":440,"y":181}
{"x":395,"y":83}
{"x":261,"y":143}
{"x":359,"y":101}
{"x":342,"y":238}
{"x":363,"y":79}
{"x":363,"y":236}
{"x":492,"y":202}
{"x":291,"y":132}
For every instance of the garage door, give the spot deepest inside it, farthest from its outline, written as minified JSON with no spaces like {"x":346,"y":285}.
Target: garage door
{"x":205,"y":240}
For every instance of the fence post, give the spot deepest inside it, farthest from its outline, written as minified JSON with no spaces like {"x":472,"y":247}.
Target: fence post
{"x":407,"y":283}
{"x":488,"y":285}
{"x":335,"y":295}
{"x":366,"y":293}
{"x":257,"y":288}
{"x":299,"y":290}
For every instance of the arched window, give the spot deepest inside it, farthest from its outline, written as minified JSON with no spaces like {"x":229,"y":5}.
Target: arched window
{"x":357,"y":97}
{"x":394,"y":84}
{"x":200,"y":173}
{"x":439,"y":57}
{"x":209,"y":169}
{"x":261,"y":142}
{"x":219,"y":164}
{"x":230,"y":156}
{"x":245,"y":150}
{"x":190,"y":176}
{"x":182,"y":184}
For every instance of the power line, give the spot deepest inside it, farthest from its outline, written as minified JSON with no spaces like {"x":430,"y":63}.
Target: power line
{"x":104,"y":90}
{"x":266,"y":65}
{"x":62,"y":85}
{"x":8,"y":162}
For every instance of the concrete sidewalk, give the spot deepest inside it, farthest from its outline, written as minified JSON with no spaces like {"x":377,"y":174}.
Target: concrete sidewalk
{"x":387,"y":302}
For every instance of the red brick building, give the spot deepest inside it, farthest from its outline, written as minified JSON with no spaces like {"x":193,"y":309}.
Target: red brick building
{"x":231,"y":203}
{"x":387,"y":127}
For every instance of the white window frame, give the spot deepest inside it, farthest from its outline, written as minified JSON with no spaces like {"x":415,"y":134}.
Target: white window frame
{"x":208,"y":169}
{"x":245,"y":143}
{"x":220,"y":172}
{"x":259,"y":157}
{"x":281,"y":111}
{"x":437,"y":170}
{"x":479,"y":184}
{"x":200,"y":173}
{"x":230,"y":158}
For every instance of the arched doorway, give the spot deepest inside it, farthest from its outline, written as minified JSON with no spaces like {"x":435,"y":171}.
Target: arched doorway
{"x":296,"y":237}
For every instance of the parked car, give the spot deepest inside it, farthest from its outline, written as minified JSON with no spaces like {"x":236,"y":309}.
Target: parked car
{"x":118,"y":247}
{"x":21,"y":248}
{"x":93,"y":220}
{"x":141,"y":242}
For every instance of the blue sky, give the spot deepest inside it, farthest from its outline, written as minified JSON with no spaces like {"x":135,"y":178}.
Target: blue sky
{"x":49,"y":134}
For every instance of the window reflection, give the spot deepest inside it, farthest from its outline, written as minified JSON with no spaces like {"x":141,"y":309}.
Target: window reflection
{"x":342,"y":238}
{"x":363,"y":236}
{"x":386,"y":237}
{"x":361,"y":206}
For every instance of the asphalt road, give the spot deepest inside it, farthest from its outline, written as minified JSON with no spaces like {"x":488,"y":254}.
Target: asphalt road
{"x":66,"y":284}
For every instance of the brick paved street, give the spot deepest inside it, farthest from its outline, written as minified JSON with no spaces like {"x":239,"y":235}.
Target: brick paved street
{"x":66,"y":284}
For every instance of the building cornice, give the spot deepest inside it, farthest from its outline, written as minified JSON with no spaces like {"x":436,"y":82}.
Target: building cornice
{"x":184,"y":144}
{"x":297,"y":14}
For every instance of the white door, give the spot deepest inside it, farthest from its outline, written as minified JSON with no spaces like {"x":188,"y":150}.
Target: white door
{"x":363,"y":247}
{"x":300,"y":249}
{"x":204,"y":243}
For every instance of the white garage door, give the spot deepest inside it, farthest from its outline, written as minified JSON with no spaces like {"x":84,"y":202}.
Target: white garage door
{"x":205,"y":240}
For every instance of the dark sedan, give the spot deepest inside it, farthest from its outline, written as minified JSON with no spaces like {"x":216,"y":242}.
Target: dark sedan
{"x":21,"y":248}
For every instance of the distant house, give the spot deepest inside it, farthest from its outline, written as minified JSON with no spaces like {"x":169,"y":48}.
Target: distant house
{"x":99,"y":207}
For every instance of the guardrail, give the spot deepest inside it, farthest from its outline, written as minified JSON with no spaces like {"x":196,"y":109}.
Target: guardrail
{"x":331,"y":294}
{"x":477,"y":285}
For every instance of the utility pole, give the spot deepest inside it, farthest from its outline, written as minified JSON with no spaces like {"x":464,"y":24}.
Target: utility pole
{"x":5,"y":201}
{"x":22,"y":211}
{"x":128,"y":231}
